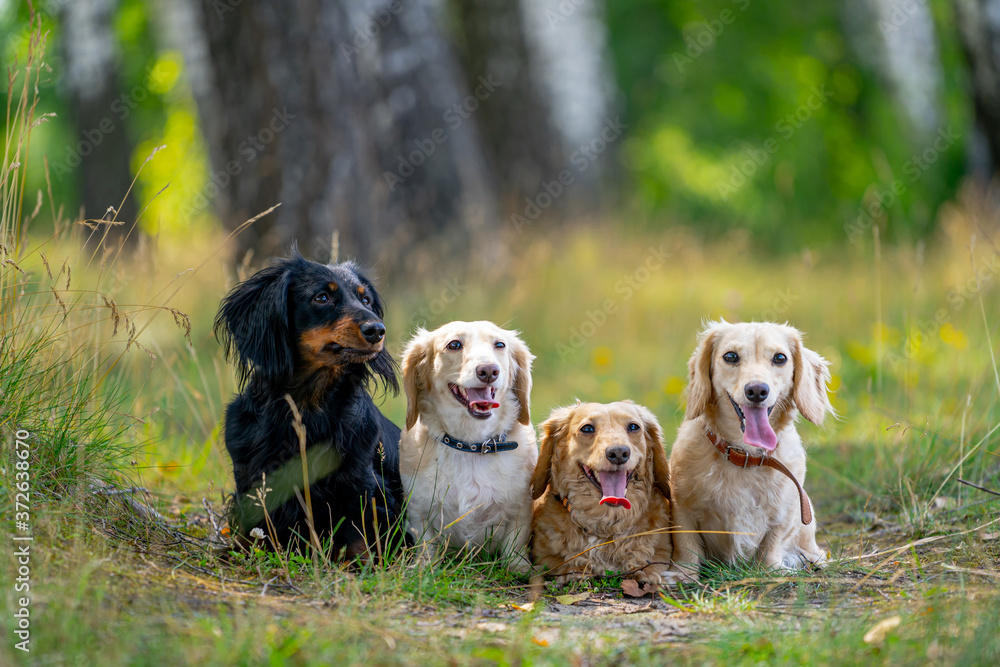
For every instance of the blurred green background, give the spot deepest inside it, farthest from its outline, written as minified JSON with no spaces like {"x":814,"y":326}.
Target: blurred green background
{"x":783,"y":120}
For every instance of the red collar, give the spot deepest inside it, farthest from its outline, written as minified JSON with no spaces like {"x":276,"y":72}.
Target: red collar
{"x":740,"y":457}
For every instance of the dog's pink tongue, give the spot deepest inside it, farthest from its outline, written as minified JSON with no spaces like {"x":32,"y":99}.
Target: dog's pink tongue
{"x":481,"y":398}
{"x":613,"y":484}
{"x":758,"y":431}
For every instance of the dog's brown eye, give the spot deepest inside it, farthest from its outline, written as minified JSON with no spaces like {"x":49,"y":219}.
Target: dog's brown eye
{"x":633,"y":427}
{"x":322,"y":297}
{"x":586,"y":428}
{"x":731,"y":357}
{"x":365,"y":300}
{"x":500,"y":344}
{"x":455,"y":345}
{"x":779,"y":359}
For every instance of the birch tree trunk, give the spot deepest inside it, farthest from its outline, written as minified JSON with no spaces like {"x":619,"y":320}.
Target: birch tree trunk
{"x":100,"y":157}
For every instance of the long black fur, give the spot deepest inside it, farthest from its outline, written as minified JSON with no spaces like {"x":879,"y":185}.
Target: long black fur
{"x":260,"y":323}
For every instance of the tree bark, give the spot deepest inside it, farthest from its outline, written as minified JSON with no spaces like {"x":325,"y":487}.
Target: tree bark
{"x":339,"y":111}
{"x":523,"y":147}
{"x":979,"y":31}
{"x":898,"y":41}
{"x":100,"y":157}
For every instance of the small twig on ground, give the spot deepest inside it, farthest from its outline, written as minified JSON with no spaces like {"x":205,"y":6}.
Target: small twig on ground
{"x":976,"y":486}
{"x":118,"y":492}
{"x":965,"y":570}
{"x":213,"y":519}
{"x":99,"y":488}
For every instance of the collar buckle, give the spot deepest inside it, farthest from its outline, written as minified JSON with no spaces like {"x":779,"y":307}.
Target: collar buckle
{"x":495,"y":444}
{"x":738,"y":450}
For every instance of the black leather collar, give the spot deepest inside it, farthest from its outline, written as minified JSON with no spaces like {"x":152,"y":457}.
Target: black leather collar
{"x":493,"y":445}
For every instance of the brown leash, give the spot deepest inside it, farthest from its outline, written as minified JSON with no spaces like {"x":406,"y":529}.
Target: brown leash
{"x":740,"y":457}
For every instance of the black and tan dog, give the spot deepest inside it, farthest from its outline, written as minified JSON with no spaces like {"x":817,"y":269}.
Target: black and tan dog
{"x":313,"y":333}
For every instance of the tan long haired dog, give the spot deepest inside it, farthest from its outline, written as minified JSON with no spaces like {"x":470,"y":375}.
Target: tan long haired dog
{"x":601,"y":488}
{"x":469,"y":449}
{"x":738,"y":464}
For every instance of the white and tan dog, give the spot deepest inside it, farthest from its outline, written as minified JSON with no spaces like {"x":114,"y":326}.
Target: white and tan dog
{"x":467,"y":388}
{"x":747,"y":384}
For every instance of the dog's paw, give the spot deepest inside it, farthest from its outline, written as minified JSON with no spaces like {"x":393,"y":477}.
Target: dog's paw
{"x":798,"y":560}
{"x":650,"y":577}
{"x":676,"y":575}
{"x":570,"y":577}
{"x":817,"y":560}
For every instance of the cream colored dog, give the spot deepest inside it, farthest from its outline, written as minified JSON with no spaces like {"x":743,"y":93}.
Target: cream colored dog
{"x":747,"y":384}
{"x":467,"y":388}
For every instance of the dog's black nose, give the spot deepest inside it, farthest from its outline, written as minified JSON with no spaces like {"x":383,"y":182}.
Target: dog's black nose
{"x":756,"y":392}
{"x":618,"y":454}
{"x":488,"y":373}
{"x":373,"y":331}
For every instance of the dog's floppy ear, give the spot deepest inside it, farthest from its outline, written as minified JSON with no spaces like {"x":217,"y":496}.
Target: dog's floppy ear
{"x":417,"y":360}
{"x":553,"y":430}
{"x":522,"y":358}
{"x":253,"y":325}
{"x":809,"y":381}
{"x":699,"y":390}
{"x":654,"y":445}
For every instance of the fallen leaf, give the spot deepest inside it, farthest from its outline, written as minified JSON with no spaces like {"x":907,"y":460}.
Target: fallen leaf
{"x":881,"y":630}
{"x":540,"y":642}
{"x":631,"y":587}
{"x":572,"y":599}
{"x":988,"y":537}
{"x":527,"y":606}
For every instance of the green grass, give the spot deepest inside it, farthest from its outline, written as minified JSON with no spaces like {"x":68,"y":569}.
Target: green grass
{"x":110,"y":364}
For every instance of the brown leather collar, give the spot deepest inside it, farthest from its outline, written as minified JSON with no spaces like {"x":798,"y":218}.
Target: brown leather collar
{"x":740,"y":457}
